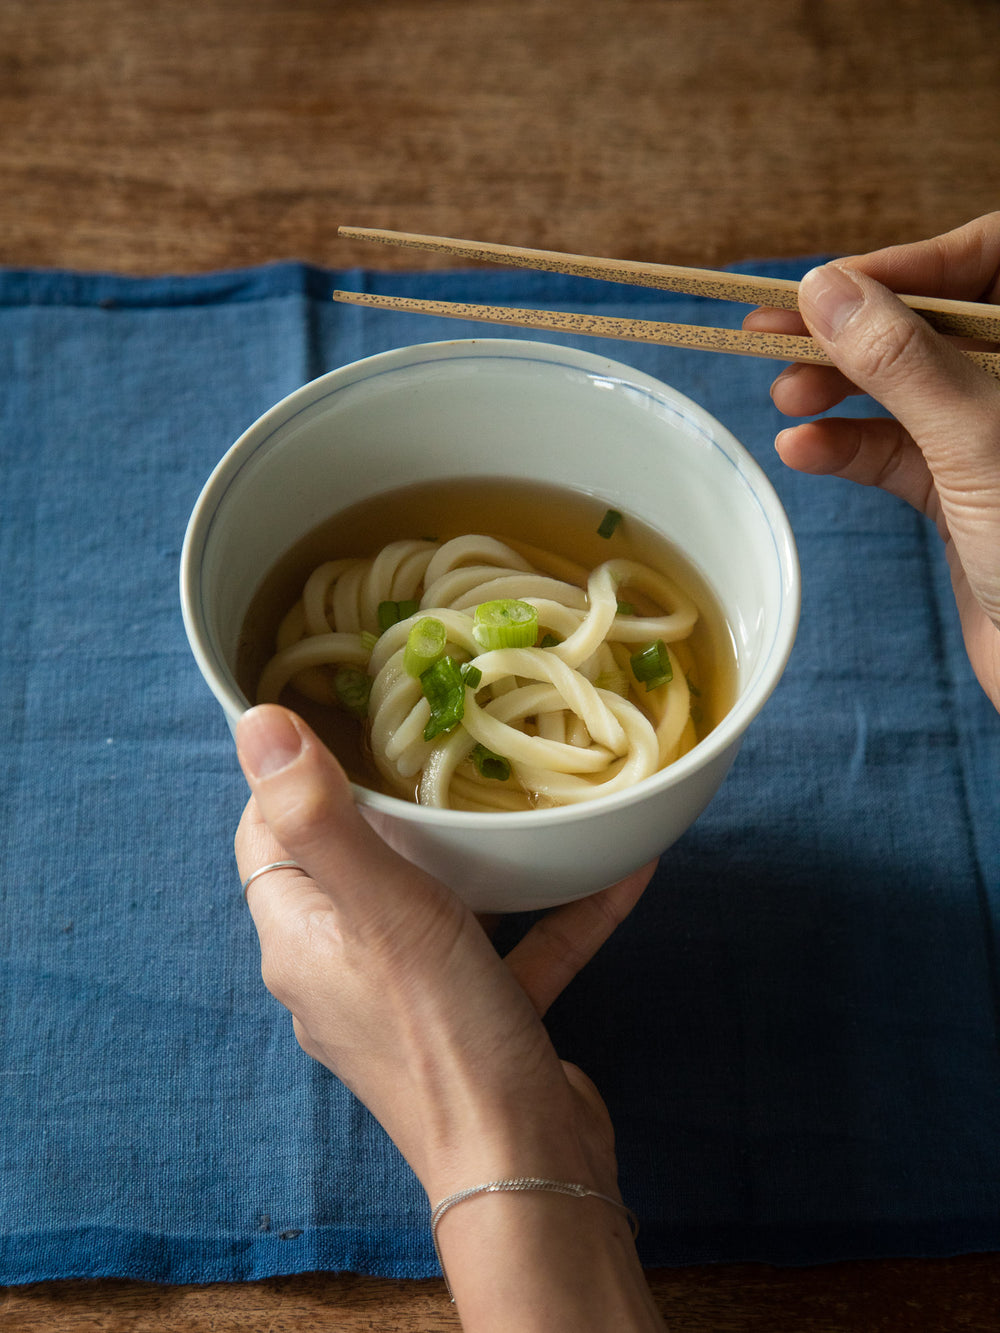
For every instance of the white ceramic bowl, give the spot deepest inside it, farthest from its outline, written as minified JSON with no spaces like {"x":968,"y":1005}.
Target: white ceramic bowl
{"x":490,"y":407}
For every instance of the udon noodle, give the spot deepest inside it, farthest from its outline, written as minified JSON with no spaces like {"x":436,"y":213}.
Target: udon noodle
{"x":560,"y":720}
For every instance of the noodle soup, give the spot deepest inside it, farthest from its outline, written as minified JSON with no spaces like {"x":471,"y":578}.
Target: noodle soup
{"x":541,"y":414}
{"x":610,"y":658}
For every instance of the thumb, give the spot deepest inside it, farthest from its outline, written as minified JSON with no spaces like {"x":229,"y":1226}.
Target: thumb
{"x":303,"y":796}
{"x":947,"y":404}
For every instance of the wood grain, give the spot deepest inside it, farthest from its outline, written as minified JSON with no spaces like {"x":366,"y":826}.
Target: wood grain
{"x":968,"y":318}
{"x":189,"y":135}
{"x":736,"y":342}
{"x":960,"y":1295}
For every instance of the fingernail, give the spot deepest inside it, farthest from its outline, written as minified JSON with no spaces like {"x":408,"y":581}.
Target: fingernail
{"x":788,"y":373}
{"x":828,"y":297}
{"x":268,"y":741}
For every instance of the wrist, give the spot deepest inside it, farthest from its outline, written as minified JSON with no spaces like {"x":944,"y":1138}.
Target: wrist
{"x":542,"y":1258}
{"x":559,"y":1136}
{"x":523,"y":1185}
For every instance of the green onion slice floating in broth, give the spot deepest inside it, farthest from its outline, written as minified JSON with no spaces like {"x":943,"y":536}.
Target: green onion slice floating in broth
{"x":425,"y":643}
{"x":444,"y":690}
{"x":506,"y":623}
{"x":609,"y":523}
{"x":490,"y":765}
{"x":651,"y":665}
{"x":352,"y":687}
{"x":390,"y":613}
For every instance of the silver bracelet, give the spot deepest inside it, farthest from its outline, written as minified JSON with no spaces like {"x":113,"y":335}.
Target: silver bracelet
{"x":514,"y":1186}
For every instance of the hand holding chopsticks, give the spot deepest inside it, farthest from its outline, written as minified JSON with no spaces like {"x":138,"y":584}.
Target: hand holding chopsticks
{"x":965,"y":318}
{"x":940,"y":445}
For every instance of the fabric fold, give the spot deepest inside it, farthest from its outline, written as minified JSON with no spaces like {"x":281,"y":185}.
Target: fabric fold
{"x":796,"y":1031}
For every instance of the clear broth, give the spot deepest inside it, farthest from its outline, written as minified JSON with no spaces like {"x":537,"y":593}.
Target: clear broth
{"x":525,"y":515}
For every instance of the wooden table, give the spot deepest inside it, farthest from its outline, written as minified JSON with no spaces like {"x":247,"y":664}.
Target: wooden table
{"x":186,"y":135}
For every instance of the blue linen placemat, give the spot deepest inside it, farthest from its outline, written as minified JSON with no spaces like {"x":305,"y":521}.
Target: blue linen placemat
{"x":796,"y":1032}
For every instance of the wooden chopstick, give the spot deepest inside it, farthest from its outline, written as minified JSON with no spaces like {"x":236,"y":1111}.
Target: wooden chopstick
{"x":741,"y":342}
{"x":780,"y":346}
{"x":966,"y":318}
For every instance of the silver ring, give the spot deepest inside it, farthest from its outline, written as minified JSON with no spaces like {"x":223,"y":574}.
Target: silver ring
{"x":274,"y":865}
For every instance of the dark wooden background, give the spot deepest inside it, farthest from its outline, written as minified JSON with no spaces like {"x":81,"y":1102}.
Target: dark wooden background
{"x":175,"y":136}
{"x":185,"y":135}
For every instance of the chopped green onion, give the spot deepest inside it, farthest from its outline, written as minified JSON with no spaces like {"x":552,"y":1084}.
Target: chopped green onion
{"x":352,"y":687}
{"x":444,"y":690}
{"x":506,"y":623}
{"x":651,"y":665}
{"x":625,"y":609}
{"x":390,"y":613}
{"x":368,"y":640}
{"x":693,"y":687}
{"x":615,"y":681}
{"x":550,"y":641}
{"x":609,"y":523}
{"x":425,"y":643}
{"x":490,"y":765}
{"x":471,"y":675}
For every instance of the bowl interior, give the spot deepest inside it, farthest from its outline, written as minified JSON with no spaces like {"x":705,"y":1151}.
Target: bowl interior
{"x":493,"y":408}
